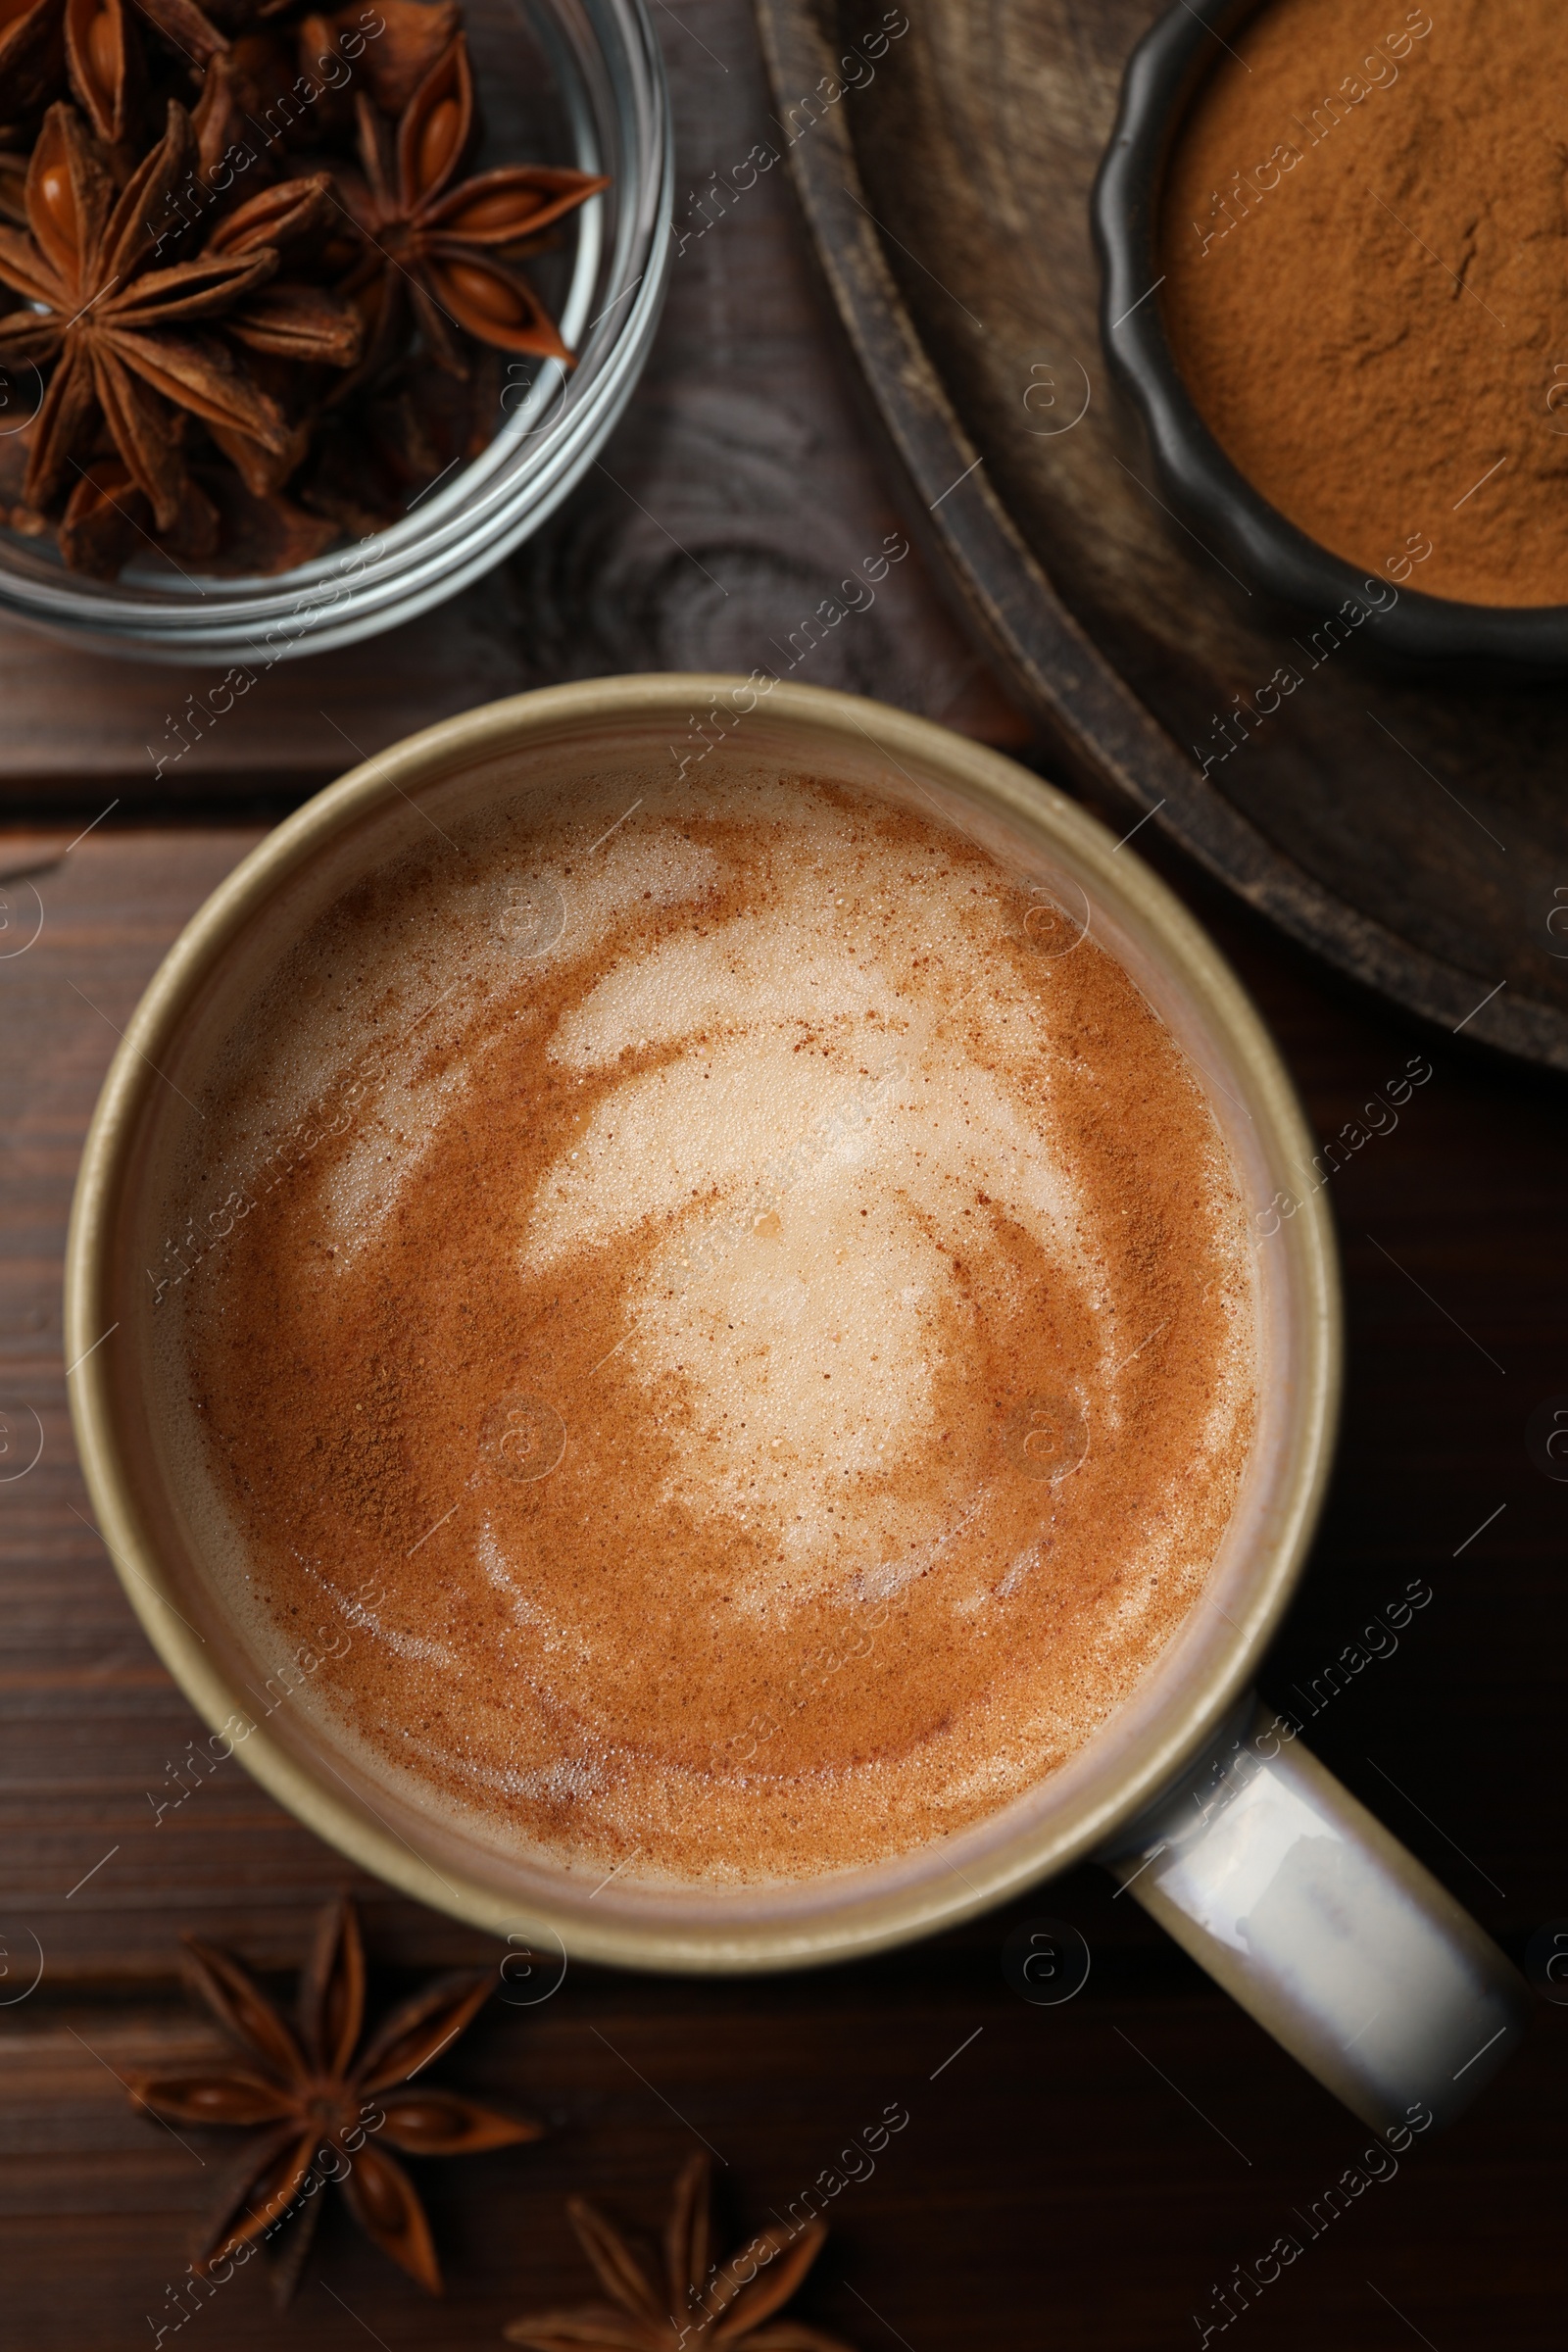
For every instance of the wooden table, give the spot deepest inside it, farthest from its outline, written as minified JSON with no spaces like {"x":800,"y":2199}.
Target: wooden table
{"x":1081,"y":2176}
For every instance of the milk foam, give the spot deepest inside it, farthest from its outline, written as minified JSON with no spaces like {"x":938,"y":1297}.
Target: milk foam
{"x":887,"y":1280}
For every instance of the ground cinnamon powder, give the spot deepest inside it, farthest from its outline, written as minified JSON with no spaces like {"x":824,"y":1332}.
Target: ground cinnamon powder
{"x":1365,"y":240}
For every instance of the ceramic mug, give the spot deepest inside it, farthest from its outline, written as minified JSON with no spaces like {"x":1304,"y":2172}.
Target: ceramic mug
{"x":1256,"y":1860}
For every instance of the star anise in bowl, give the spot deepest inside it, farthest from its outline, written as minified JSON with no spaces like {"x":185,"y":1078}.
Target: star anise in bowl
{"x":324,"y":2100}
{"x":127,"y":341}
{"x":443,"y":246}
{"x":234,"y":238}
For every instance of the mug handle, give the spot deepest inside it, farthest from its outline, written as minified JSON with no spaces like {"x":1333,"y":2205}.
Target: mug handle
{"x":1336,"y":1940}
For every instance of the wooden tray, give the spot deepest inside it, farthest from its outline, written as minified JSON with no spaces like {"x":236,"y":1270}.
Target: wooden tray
{"x":1412,"y":833}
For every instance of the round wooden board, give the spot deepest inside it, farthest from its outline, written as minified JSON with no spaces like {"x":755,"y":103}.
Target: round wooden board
{"x":1414,"y":832}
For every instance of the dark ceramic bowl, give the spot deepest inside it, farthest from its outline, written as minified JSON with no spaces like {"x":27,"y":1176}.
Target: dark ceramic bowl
{"x":1224,"y":509}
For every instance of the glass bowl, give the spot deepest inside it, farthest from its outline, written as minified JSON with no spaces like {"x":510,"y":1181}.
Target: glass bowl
{"x":576,"y":83}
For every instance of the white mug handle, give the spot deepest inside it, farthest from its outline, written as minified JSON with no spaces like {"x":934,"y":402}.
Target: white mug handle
{"x":1297,"y":1901}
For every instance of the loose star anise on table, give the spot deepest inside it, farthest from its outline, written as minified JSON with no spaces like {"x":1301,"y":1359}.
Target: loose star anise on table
{"x":675,"y":2305}
{"x":310,"y":2088}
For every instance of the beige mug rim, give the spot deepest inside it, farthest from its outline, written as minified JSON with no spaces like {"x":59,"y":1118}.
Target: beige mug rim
{"x":987,"y":777}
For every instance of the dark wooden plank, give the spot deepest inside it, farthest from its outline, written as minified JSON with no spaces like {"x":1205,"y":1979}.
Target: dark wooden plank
{"x":948,"y":197}
{"x":82,"y":728}
{"x":1050,"y":2185}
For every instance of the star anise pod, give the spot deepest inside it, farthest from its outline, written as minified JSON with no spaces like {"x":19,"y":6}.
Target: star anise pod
{"x":223,"y":527}
{"x":313,"y":2089}
{"x":290,"y":318}
{"x":287,"y":325}
{"x":107,"y":520}
{"x":108,"y":72}
{"x":442,"y":243}
{"x":417,"y":34}
{"x":113,"y":326}
{"x":112,"y":55}
{"x":261,"y":536}
{"x":729,"y":2304}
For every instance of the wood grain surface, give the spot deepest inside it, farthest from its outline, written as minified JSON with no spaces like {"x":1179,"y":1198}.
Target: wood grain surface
{"x":1080,"y":2176}
{"x":1409,"y":829}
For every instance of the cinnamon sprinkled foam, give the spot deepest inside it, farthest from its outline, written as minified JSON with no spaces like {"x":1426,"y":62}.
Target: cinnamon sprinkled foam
{"x":758,"y":1356}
